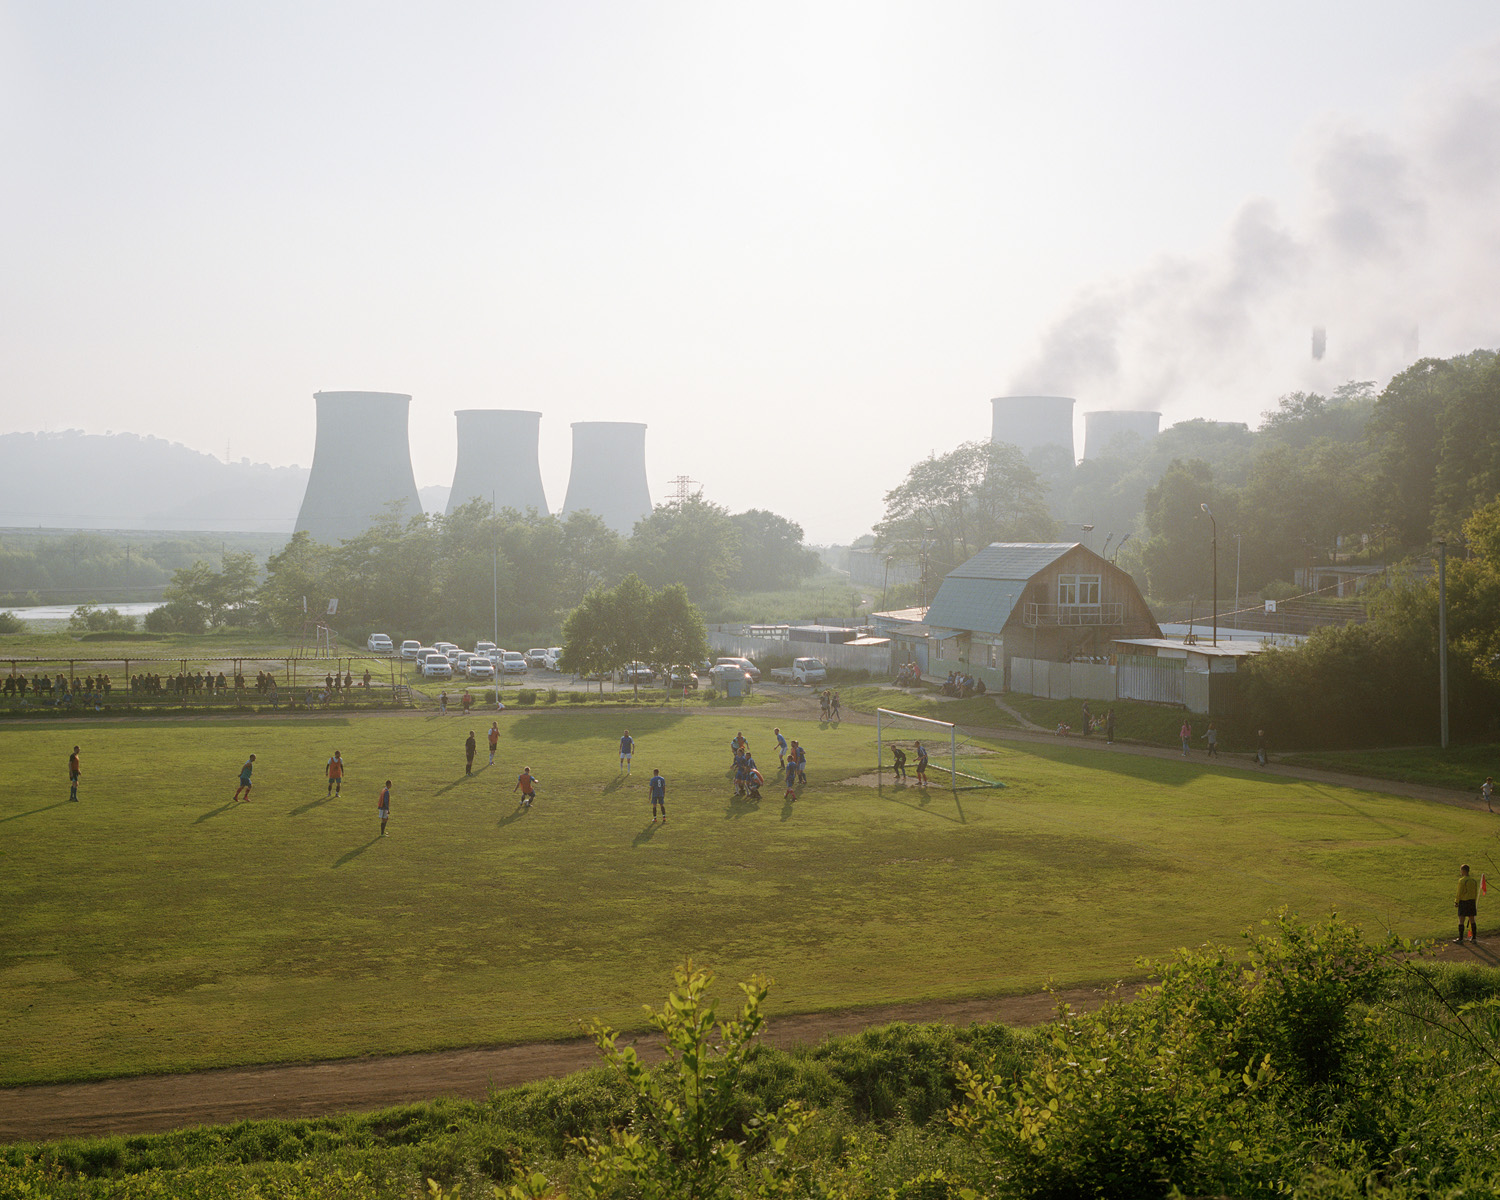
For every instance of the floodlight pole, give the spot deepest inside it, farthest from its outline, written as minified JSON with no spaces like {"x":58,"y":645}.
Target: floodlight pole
{"x":1443,"y":639}
{"x":1237,"y":549}
{"x":1205,"y":508}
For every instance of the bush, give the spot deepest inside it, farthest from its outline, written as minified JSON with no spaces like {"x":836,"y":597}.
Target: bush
{"x":10,"y":623}
{"x":176,"y":616}
{"x":552,"y":695}
{"x":576,"y":697}
{"x":88,"y":619}
{"x":526,"y":697}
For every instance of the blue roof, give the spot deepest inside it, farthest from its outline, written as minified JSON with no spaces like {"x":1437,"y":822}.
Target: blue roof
{"x":979,"y":595}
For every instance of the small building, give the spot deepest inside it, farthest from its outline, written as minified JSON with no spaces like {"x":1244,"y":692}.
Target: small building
{"x":822,"y":635}
{"x":1033,"y":602}
{"x":1197,"y":674}
{"x":908,"y":634}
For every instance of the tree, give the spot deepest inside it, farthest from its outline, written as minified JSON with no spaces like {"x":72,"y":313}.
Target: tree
{"x":771,"y":553}
{"x":629,"y":623}
{"x":295,"y":574}
{"x":954,"y":505}
{"x":676,"y":629}
{"x":1177,"y":558}
{"x":691,"y":542}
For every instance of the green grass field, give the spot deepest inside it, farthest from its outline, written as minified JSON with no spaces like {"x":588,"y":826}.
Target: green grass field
{"x":156,"y":926}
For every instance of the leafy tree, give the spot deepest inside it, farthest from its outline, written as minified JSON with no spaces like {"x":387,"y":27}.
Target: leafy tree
{"x":955,"y":504}
{"x":587,"y":645}
{"x":676,"y":629}
{"x":689,"y":1137}
{"x":299,"y":571}
{"x":87,"y":618}
{"x":629,"y":623}
{"x":771,"y":553}
{"x":1177,"y":558}
{"x":691,"y":542}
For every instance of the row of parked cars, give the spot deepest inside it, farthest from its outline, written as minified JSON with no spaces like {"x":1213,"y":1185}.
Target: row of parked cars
{"x":487,"y":661}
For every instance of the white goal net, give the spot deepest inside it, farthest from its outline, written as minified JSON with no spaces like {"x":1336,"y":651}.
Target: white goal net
{"x":899,"y":730}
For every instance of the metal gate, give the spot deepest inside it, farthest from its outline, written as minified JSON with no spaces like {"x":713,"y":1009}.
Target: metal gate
{"x":1149,"y":677}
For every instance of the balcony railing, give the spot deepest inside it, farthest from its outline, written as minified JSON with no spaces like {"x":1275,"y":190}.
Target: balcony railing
{"x":1049,"y":615}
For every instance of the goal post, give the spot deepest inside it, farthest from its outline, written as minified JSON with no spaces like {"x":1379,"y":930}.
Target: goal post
{"x":892,"y":727}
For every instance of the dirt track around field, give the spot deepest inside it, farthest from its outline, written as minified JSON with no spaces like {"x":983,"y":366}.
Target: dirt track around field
{"x":156,"y":1103}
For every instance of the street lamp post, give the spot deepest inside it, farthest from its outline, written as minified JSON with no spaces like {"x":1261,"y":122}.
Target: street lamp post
{"x":1205,"y":508}
{"x":1443,"y":639}
{"x":1237,"y":576}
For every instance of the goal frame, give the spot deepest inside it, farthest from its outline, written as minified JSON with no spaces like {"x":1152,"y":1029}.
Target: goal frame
{"x":880,"y":725}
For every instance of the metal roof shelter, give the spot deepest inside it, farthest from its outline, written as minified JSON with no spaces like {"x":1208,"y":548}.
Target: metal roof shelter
{"x":981,"y":594}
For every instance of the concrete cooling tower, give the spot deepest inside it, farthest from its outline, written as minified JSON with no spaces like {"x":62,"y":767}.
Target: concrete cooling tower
{"x":1032,"y":422}
{"x":609,"y":473}
{"x":498,"y":460}
{"x":1101,"y":428}
{"x":361,"y":463}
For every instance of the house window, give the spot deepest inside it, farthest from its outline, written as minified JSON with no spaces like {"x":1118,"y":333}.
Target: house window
{"x":1075,"y":591}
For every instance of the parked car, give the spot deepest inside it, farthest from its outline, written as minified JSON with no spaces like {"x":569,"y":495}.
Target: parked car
{"x":752,"y":672}
{"x":479,"y":667}
{"x":637,"y":672}
{"x":727,"y":670}
{"x":808,"y":670}
{"x":484,"y":648}
{"x":437,"y":667}
{"x":410,"y":650}
{"x":683,"y":676}
{"x":537,"y":657}
{"x":379,"y":643}
{"x":445,"y":647}
{"x":513,"y":663}
{"x":549,"y":660}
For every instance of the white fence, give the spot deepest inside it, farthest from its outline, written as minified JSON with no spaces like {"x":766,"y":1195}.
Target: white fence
{"x":876,"y":659}
{"x":1062,"y":681}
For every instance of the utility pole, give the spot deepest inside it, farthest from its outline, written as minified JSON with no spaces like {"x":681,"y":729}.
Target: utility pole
{"x":1205,"y":508}
{"x":1443,"y":638}
{"x":1237,"y":549}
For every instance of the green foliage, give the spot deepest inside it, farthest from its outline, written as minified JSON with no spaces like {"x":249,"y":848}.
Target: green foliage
{"x":630,"y":623}
{"x":10,"y":623}
{"x":770,"y":552}
{"x":953,"y":505}
{"x":691,"y":542}
{"x":690,"y":1131}
{"x":526,"y":697}
{"x":87,"y":618}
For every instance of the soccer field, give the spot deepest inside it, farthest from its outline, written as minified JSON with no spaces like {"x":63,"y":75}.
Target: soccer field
{"x":157,"y":926}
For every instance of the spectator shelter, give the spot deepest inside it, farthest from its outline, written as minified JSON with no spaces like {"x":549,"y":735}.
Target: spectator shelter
{"x":1018,"y":603}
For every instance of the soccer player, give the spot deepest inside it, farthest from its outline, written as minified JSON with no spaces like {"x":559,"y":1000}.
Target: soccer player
{"x":900,"y":757}
{"x":526,"y":785}
{"x":494,"y":740}
{"x":753,"y":780}
{"x":74,"y":771}
{"x":1468,"y":896}
{"x":658,"y":795}
{"x":384,"y":806}
{"x":470,"y":746}
{"x":799,"y":752}
{"x":245,"y":780}
{"x":780,"y":747}
{"x":921,"y":764}
{"x":335,"y":775}
{"x":627,"y":749}
{"x":1486,"y":789}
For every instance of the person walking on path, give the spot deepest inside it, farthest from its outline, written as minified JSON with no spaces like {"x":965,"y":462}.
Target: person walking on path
{"x":335,"y":774}
{"x":780,"y":747}
{"x":834,"y":707}
{"x":1088,"y":719}
{"x":1186,"y":734}
{"x":1467,"y":902}
{"x":1109,"y":727}
{"x":526,"y":785}
{"x":658,"y":785}
{"x":921,"y":764}
{"x":74,"y":771}
{"x":443,"y":702}
{"x":494,"y":740}
{"x":1212,"y":738}
{"x":1486,"y":789}
{"x":245,"y":780}
{"x":470,"y":745}
{"x":383,"y":806}
{"x":627,"y":750}
{"x":900,"y":756}
{"x":1260,"y":746}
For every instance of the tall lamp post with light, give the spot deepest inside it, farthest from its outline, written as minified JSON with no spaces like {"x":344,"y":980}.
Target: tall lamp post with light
{"x":1205,"y":508}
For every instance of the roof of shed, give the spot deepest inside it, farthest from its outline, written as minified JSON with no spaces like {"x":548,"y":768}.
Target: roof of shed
{"x":980,"y":594}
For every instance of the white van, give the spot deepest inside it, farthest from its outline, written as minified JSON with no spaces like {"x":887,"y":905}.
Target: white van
{"x":379,"y":643}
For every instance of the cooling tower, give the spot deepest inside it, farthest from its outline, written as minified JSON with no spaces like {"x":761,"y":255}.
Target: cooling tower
{"x":361,"y":463}
{"x":497,"y":459}
{"x":1032,"y":422}
{"x":1101,"y":428}
{"x":609,"y":473}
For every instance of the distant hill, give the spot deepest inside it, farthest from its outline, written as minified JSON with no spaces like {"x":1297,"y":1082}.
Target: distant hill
{"x":76,"y":480}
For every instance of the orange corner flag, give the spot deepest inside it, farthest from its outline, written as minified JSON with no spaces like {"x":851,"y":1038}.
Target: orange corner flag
{"x":1484,"y":885}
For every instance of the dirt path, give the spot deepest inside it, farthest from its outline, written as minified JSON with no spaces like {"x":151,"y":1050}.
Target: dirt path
{"x":155,"y":1103}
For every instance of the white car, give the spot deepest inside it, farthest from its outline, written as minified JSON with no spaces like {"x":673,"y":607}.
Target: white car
{"x":537,"y":657}
{"x":480,"y":668}
{"x":514,"y":663}
{"x":549,"y":659}
{"x":484,"y":648}
{"x":752,"y":672}
{"x":379,"y":643}
{"x":410,"y":649}
{"x":437,"y":667}
{"x":445,"y":647}
{"x":461,"y":660}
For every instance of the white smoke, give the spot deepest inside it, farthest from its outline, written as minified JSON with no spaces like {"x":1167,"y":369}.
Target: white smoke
{"x":1401,"y":231}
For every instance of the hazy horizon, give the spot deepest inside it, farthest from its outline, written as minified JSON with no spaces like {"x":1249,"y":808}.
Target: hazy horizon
{"x":804,"y":244}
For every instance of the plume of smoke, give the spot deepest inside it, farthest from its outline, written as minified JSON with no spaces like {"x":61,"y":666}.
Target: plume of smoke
{"x":1400,"y":231}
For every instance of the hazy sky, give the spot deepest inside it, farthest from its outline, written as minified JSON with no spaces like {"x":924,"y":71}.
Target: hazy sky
{"x":805,"y":243}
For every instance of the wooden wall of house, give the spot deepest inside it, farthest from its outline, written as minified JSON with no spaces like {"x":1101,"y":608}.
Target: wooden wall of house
{"x":1063,"y":643}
